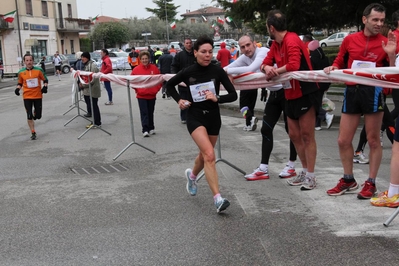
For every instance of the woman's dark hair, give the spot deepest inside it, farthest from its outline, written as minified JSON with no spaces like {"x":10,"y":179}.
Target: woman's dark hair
{"x":202,"y":40}
{"x":105,"y":51}
{"x":144,"y":52}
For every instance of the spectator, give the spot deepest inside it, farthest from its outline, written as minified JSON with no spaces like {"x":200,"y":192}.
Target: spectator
{"x":223,"y":55}
{"x":165,"y":62}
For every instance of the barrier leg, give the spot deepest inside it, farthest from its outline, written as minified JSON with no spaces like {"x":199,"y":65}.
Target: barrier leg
{"x":390,"y":219}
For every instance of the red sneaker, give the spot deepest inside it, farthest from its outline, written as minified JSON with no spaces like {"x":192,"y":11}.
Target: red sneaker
{"x":257,"y":175}
{"x":367,"y":191}
{"x":342,"y":187}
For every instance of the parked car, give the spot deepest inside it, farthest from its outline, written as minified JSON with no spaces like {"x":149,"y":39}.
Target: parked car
{"x":334,"y":39}
{"x":50,"y":68}
{"x":119,"y":60}
{"x":72,"y":59}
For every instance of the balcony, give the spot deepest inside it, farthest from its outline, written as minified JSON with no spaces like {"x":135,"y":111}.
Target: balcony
{"x":73,"y":25}
{"x":4,"y":25}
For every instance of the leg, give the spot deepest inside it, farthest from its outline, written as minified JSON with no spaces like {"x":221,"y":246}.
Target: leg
{"x":362,"y":140}
{"x":395,"y":98}
{"x":151,"y":109}
{"x":107,"y":85}
{"x":96,"y":112}
{"x":347,"y":129}
{"x":388,"y":124}
{"x":88,"y":105}
{"x":206,"y":158}
{"x":143,"y":105}
{"x":373,"y":125}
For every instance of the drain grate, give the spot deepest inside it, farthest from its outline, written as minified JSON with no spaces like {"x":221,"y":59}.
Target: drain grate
{"x":100,"y":169}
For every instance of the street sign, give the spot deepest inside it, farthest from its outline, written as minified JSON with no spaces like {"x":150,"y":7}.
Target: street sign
{"x":146,"y":34}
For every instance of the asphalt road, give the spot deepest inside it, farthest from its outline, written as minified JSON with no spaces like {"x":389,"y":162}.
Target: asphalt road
{"x":65,"y":201}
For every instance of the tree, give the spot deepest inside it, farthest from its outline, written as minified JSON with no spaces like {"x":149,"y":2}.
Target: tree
{"x":165,"y":7}
{"x":110,"y":34}
{"x":303,"y":15}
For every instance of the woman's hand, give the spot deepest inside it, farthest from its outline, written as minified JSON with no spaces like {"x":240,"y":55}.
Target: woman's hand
{"x":184,"y":104}
{"x":210,"y":96}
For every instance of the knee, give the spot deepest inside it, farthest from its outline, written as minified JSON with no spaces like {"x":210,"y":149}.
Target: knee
{"x":209,"y":156}
{"x":344,"y":142}
{"x":374,"y":142}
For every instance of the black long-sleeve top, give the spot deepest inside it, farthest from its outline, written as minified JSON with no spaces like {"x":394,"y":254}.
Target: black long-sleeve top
{"x":197,"y":74}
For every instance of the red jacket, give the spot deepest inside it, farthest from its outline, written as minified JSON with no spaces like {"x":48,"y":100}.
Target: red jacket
{"x":106,"y":66}
{"x":294,"y":55}
{"x":147,"y":93}
{"x":396,"y":32}
{"x":358,"y":46}
{"x":223,"y":55}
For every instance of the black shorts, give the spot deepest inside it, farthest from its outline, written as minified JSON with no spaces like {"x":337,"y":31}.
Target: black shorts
{"x":33,"y":108}
{"x":294,"y":109}
{"x":362,"y":99}
{"x":210,"y":119}
{"x":58,"y":68}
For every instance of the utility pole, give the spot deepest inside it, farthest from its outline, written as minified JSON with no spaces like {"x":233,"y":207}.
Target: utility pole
{"x":167,"y":23}
{"x":19,"y":31}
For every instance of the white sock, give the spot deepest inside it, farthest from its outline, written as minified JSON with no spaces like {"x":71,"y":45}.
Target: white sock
{"x":291,"y":164}
{"x":305,"y":170}
{"x":393,"y":190}
{"x":309,"y":174}
{"x":263,"y":167}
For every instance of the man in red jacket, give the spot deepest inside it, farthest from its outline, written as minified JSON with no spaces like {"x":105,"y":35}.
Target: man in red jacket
{"x":367,"y":48}
{"x":106,"y":68}
{"x":289,"y":53}
{"x":223,"y":55}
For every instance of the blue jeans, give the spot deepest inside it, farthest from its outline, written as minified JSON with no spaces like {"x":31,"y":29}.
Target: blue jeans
{"x":183,"y":91}
{"x":107,"y":85}
{"x":147,"y":108}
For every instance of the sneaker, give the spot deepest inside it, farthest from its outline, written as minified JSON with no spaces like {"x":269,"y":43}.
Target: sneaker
{"x":93,"y":126}
{"x":359,"y":157}
{"x":309,"y":183}
{"x":145,"y":134}
{"x":33,"y":136}
{"x":382,"y":138}
{"x":342,"y":187}
{"x":382,"y":200}
{"x":184,"y":122}
{"x":152,"y":132}
{"x":221,"y":204}
{"x":247,"y":128}
{"x":87,"y":115}
{"x":191,"y":184}
{"x":109,"y":103}
{"x":317,"y":128}
{"x":257,"y":175}
{"x":329,"y":120}
{"x":297,"y":180}
{"x":368,"y":191}
{"x":253,"y":124}
{"x":287,"y":172}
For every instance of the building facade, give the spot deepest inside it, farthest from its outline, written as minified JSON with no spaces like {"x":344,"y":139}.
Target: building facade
{"x":40,"y":27}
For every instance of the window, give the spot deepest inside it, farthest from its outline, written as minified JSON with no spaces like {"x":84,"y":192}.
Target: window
{"x":44,"y":9}
{"x":72,"y":48}
{"x":192,"y":21}
{"x":39,"y":50}
{"x":29,"y":10}
{"x":69,"y":11}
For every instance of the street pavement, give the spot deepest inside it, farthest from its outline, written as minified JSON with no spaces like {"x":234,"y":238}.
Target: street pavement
{"x":65,"y":201}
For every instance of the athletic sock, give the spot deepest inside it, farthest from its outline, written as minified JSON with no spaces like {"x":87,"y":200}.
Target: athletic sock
{"x":217,"y":197}
{"x":393,"y":190}
{"x":349,"y":178}
{"x":310,"y":174}
{"x":304,"y":170}
{"x":192,"y":176}
{"x":371,"y":180}
{"x":263,"y":167}
{"x":291,"y":164}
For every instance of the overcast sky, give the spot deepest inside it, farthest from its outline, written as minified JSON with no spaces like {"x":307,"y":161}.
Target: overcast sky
{"x":131,"y":8}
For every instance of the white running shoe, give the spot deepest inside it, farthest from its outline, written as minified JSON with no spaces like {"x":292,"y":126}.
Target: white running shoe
{"x":359,"y":157}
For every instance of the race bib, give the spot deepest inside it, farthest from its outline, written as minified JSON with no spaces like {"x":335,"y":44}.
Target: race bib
{"x":32,"y":83}
{"x":287,"y":85}
{"x":198,"y":91}
{"x":362,"y":64}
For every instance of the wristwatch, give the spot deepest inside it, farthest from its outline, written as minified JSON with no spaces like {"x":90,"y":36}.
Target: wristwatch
{"x":218,"y":97}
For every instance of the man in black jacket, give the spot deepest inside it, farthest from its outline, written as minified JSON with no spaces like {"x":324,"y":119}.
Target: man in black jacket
{"x":164,"y":64}
{"x":182,"y":60}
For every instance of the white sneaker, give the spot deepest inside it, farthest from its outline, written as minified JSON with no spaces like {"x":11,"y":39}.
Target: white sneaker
{"x":317,"y":128}
{"x":329,"y":120}
{"x":152,"y":132}
{"x":253,"y":124}
{"x":360,"y":158}
{"x":308,"y":183}
{"x":246,"y":128}
{"x":145,"y":134}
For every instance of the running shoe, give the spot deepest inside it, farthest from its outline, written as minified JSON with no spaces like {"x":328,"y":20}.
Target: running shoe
{"x":382,"y":200}
{"x":317,"y":128}
{"x":191,"y":184}
{"x":253,"y":124}
{"x":109,"y":103}
{"x":92,"y":126}
{"x":342,"y":187}
{"x":221,"y":204}
{"x":145,"y":134}
{"x":329,"y":120}
{"x":246,"y":128}
{"x":308,"y":183}
{"x":257,"y":174}
{"x":368,"y":191}
{"x":152,"y":132}
{"x":359,"y":157}
{"x":33,"y":136}
{"x":297,"y":180}
{"x":287,"y":172}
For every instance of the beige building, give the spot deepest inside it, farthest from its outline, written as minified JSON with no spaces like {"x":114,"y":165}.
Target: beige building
{"x":40,"y":27}
{"x":208,"y":15}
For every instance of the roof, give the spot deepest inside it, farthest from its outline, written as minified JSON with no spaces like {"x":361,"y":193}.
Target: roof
{"x":210,"y":10}
{"x":102,"y":19}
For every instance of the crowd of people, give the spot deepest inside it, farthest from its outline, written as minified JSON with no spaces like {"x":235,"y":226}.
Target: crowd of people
{"x":299,"y":101}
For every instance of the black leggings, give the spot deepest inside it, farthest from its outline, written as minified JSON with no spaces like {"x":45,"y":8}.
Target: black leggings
{"x":33,"y":108}
{"x":387,"y":123}
{"x":274,"y":106}
{"x":248,"y":98}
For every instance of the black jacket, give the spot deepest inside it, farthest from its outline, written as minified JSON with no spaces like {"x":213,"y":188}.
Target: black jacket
{"x":182,"y":60}
{"x":165,"y":62}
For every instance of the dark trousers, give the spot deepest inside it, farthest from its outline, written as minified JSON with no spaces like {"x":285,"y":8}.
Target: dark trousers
{"x":107,"y":85}
{"x":248,"y":98}
{"x":183,"y":91}
{"x":147,"y":108}
{"x":96,"y":111}
{"x":321,"y":114}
